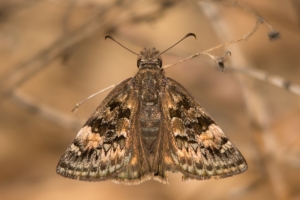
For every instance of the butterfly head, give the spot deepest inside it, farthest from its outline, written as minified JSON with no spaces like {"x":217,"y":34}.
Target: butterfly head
{"x":149,"y":58}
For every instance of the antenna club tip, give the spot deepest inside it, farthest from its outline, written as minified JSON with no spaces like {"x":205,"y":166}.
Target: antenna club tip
{"x":107,"y":36}
{"x":191,"y":34}
{"x":228,"y":52}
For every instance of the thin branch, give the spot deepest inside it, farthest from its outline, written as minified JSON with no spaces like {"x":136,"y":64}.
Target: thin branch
{"x":44,"y":111}
{"x":271,"y":79}
{"x":75,"y":109}
{"x":264,"y":139}
{"x":273,"y":34}
{"x":244,"y":37}
{"x":257,"y":74}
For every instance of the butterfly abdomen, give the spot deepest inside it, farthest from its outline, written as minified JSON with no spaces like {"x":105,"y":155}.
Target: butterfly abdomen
{"x":150,"y":128}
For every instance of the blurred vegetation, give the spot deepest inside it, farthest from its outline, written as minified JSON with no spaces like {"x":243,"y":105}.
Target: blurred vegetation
{"x":53,"y":54}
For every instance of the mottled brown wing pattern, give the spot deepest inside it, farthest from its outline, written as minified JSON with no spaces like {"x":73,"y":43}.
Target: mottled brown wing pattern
{"x":146,"y":126}
{"x":102,"y":148}
{"x":199,"y":148}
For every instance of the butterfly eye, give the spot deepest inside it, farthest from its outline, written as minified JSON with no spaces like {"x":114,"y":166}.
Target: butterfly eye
{"x":138,"y":63}
{"x":159,"y":61}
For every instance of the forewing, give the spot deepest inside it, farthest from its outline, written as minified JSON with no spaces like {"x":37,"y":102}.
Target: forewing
{"x":198,"y":146}
{"x":102,"y":147}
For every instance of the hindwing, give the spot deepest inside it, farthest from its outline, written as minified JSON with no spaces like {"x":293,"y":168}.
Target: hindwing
{"x":198,"y":146}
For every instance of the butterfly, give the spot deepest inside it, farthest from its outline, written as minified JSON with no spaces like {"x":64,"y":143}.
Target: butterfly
{"x":146,"y":126}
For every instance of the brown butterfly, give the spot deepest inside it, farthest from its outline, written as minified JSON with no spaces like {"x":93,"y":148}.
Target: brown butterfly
{"x":146,"y":126}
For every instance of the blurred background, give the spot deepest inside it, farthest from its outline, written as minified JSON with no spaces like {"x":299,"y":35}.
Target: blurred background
{"x":53,"y":55}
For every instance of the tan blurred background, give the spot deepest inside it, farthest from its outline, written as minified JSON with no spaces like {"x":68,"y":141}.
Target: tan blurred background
{"x":53,"y":54}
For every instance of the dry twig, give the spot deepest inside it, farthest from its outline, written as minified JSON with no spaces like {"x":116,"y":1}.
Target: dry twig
{"x":44,"y":111}
{"x":256,"y":108}
{"x":104,"y":21}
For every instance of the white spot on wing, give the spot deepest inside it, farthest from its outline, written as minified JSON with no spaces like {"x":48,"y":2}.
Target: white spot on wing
{"x":84,"y":132}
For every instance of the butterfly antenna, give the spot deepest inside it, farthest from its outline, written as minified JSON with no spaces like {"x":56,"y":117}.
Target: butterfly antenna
{"x":186,"y":36}
{"x":110,"y":37}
